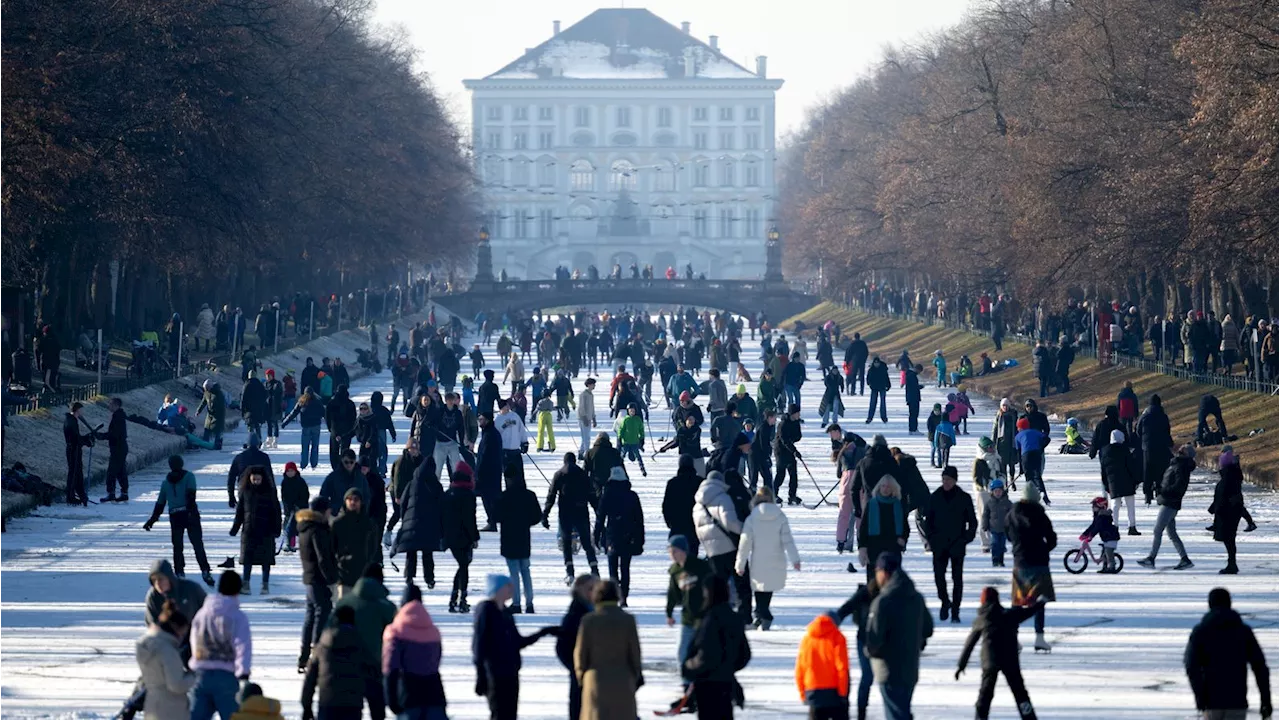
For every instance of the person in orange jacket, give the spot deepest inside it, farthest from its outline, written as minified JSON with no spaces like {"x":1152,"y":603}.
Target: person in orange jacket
{"x":822,"y":670}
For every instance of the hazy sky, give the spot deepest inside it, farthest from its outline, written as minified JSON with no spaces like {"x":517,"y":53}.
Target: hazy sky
{"x":815,"y":46}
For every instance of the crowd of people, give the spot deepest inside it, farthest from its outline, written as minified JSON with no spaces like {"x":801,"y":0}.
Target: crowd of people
{"x":461,"y":475}
{"x":1197,"y":340}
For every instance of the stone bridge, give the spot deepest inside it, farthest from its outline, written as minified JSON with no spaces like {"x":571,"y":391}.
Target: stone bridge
{"x":747,"y":297}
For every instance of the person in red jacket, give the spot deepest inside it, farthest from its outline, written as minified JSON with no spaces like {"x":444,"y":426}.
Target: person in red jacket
{"x":822,"y":670}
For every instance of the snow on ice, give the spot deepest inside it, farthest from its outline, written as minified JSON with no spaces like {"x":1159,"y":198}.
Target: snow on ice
{"x":74,"y":580}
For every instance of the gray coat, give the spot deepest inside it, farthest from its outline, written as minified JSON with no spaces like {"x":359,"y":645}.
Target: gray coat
{"x":717,"y":394}
{"x":995,"y":512}
{"x":163,"y":674}
{"x":711,"y":505}
{"x":898,"y":626}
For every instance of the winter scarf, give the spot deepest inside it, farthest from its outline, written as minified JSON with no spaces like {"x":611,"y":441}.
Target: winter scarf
{"x":873,"y":519}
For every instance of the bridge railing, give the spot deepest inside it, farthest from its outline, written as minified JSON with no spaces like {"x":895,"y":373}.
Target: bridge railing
{"x":524,"y":286}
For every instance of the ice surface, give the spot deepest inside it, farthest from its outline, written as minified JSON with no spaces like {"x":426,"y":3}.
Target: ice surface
{"x":74,"y":579}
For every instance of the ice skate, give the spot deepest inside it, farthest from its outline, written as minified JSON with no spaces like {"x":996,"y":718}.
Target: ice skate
{"x":1042,"y":645}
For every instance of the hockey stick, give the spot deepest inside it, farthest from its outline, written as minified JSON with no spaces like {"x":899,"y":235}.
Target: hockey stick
{"x":816,"y":486}
{"x":824,"y":497}
{"x":680,"y":705}
{"x":535,"y":467}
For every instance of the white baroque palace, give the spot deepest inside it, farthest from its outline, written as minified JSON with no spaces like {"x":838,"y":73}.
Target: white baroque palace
{"x":624,"y":139}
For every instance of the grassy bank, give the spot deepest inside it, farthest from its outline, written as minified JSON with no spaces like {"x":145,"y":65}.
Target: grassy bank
{"x":1092,"y":387}
{"x":36,"y":440}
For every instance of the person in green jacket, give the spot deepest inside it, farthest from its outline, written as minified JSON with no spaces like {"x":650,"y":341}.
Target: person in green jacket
{"x":630,"y":431}
{"x":766,"y":393}
{"x":216,"y":417}
{"x":373,"y":612}
{"x":178,"y":494}
{"x":690,"y":588}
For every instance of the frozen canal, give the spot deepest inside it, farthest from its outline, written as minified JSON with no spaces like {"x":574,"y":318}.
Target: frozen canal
{"x":74,"y":579}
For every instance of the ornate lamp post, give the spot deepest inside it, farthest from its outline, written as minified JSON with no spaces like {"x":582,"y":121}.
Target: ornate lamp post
{"x":773,"y":256}
{"x":484,"y":258}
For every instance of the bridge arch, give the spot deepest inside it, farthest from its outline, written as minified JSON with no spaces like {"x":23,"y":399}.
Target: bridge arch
{"x":737,"y":296}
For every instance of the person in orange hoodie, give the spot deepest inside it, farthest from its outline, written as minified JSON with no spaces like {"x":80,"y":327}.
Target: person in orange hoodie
{"x":822,"y":670}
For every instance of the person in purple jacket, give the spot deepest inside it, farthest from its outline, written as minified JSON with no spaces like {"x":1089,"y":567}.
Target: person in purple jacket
{"x":221,"y":651}
{"x":411,"y":649}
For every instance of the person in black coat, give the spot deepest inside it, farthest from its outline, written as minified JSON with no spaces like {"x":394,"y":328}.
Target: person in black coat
{"x":1066,"y":356}
{"x":377,"y":508}
{"x":495,"y":649}
{"x":1210,"y":407}
{"x":340,"y":421}
{"x":459,"y":532}
{"x":950,"y":524}
{"x":487,"y":395}
{"x":878,"y":381}
{"x":117,"y":438}
{"x":489,"y":464}
{"x":319,"y":572}
{"x":760,"y":459}
{"x":997,"y":628}
{"x":1173,"y":486}
{"x":384,"y":425}
{"x":1120,"y":468}
{"x":718,"y":651}
{"x":1102,"y":433}
{"x":855,"y":356}
{"x":1033,"y":538}
{"x":573,"y":487}
{"x":786,"y":454}
{"x":620,"y":529}
{"x":258,"y":515}
{"x":1157,"y":445}
{"x":567,"y":636}
{"x":875,"y":464}
{"x":1219,"y":649}
{"x":251,"y":456}
{"x":677,"y":502}
{"x":76,"y":494}
{"x":420,"y":504}
{"x":253,"y":403}
{"x":915,"y":491}
{"x":517,"y":512}
{"x":912,"y":389}
{"x":1228,"y":507}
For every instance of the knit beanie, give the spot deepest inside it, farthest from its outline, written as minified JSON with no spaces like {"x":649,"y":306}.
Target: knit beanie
{"x":495,"y":582}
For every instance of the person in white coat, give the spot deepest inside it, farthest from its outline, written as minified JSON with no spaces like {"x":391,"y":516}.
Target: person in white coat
{"x":715,"y":520}
{"x":766,"y":546}
{"x":205,"y":328}
{"x":515,"y":372}
{"x":164,"y":675}
{"x":586,"y":415}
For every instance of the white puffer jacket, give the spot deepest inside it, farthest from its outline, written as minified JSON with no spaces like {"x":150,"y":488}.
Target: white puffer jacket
{"x":164,"y":676}
{"x":712,"y":501}
{"x":768,"y":547}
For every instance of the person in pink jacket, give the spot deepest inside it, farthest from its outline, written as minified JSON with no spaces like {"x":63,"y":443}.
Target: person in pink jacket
{"x":847,"y":449}
{"x":411,"y":650}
